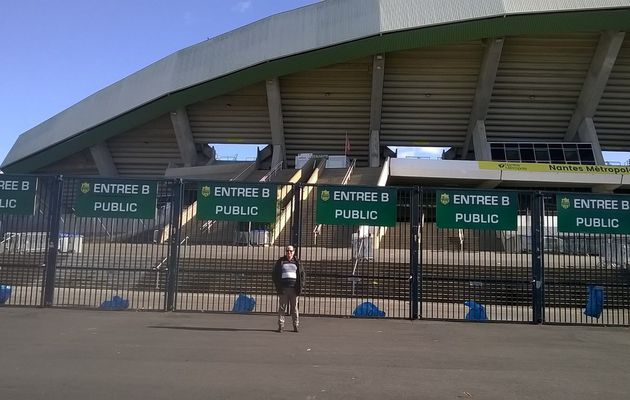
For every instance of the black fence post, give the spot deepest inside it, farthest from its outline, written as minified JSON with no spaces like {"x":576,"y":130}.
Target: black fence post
{"x":173,"y":253}
{"x":297,"y":217}
{"x":413,"y":251}
{"x":537,"y":234}
{"x":54,"y":213}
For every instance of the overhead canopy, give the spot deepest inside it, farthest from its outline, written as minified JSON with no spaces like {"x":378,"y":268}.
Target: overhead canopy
{"x":313,"y":37}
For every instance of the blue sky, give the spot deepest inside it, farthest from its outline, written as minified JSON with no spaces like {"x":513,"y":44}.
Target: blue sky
{"x":56,"y":53}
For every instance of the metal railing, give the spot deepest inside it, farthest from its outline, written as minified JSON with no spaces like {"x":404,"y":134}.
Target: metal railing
{"x":244,"y":172}
{"x":344,"y":181}
{"x":272,"y":172}
{"x":346,"y":177}
{"x":534,"y":273}
{"x":163,"y":265}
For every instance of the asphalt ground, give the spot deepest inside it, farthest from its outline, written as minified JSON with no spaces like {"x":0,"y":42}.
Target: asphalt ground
{"x":75,"y":354}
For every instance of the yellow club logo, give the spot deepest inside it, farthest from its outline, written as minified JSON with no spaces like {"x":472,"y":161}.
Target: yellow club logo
{"x":85,"y":187}
{"x":325,"y":196}
{"x":445,"y":198}
{"x":565,"y":203}
{"x":205,"y":191}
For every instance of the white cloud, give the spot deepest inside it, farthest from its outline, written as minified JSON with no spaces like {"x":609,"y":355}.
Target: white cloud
{"x":419,"y":152}
{"x":617,"y":157}
{"x":436,"y":151}
{"x":242,"y":6}
{"x":406,"y":153}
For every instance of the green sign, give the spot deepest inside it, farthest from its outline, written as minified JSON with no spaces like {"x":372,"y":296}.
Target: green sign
{"x":120,"y":198}
{"x":351,"y":205}
{"x":587,"y":213}
{"x":17,"y":195}
{"x":477,"y":210}
{"x":236,"y":202}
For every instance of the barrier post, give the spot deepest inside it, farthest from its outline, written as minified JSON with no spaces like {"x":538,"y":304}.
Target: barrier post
{"x":413,"y":253}
{"x":173,"y":254}
{"x":297,"y":218}
{"x":537,"y":235}
{"x":54,"y":214}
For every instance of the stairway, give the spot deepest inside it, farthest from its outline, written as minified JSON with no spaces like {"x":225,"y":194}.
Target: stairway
{"x":330,"y":235}
{"x":365,"y":176}
{"x":283,"y":175}
{"x":433,"y":238}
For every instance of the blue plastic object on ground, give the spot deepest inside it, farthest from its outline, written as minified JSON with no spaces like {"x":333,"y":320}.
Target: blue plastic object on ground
{"x":117,"y":303}
{"x":368,"y":309}
{"x":477,"y":311}
{"x":595,"y":301}
{"x":5,"y":293}
{"x":244,"y":304}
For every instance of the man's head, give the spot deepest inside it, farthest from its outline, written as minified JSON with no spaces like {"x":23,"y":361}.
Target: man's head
{"x":290,"y":251}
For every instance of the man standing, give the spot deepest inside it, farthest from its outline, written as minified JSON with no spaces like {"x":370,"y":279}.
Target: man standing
{"x":289,"y":279}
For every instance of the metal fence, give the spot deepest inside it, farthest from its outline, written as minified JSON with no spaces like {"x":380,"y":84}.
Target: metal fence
{"x":583,"y":267}
{"x":24,"y":248}
{"x":352,"y":265}
{"x":220,"y":260}
{"x":108,"y":257}
{"x":413,"y":269}
{"x":467,"y":268}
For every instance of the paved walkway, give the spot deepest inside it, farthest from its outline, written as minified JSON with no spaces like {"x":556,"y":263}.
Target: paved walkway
{"x":71,"y":354}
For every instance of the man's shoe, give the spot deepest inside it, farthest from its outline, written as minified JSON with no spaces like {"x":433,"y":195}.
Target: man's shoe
{"x":295,"y":329}
{"x":280,"y":329}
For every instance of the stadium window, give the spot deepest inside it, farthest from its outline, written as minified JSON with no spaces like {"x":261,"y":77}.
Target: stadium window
{"x":541,"y":151}
{"x":512,"y":152}
{"x":556,"y":153}
{"x":497,"y":152}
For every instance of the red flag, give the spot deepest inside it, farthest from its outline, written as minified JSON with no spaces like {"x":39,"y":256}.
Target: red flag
{"x":346,"y":150}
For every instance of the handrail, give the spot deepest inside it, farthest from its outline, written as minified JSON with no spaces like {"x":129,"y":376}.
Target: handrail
{"x":207,"y":225}
{"x":8,"y":241}
{"x":186,"y":215}
{"x":317,"y":229}
{"x":104,"y":227}
{"x":9,"y":238}
{"x":346,"y":177}
{"x":320,"y":165}
{"x":159,"y":267}
{"x":272,"y":172}
{"x":100,"y":221}
{"x":243,"y":171}
{"x":354,"y":269}
{"x":382,"y":181}
{"x":287,"y":197}
{"x":356,"y":259}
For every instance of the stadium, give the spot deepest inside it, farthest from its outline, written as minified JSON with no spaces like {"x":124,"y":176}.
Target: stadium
{"x":525,"y":98}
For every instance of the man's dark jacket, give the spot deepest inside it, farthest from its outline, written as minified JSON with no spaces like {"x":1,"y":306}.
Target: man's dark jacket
{"x":277,"y":275}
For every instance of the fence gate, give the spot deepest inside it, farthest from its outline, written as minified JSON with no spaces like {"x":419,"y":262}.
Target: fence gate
{"x":113,"y":242}
{"x":475,"y":259}
{"x":355,"y":245}
{"x":26,"y":214}
{"x":587,"y":259}
{"x":225,"y":251}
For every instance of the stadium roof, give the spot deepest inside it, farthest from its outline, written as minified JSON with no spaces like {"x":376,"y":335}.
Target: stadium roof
{"x":311,"y":37}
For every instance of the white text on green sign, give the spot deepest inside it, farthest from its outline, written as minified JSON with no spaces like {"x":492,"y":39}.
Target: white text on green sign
{"x":593,"y":213}
{"x":236,"y":202}
{"x":17,"y":195}
{"x":116,"y":199}
{"x":347,"y":205}
{"x":476,"y":210}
